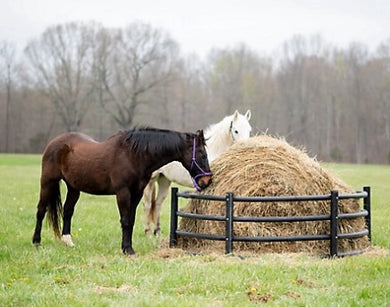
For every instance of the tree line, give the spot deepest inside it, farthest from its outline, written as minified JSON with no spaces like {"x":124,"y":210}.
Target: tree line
{"x":335,"y":102}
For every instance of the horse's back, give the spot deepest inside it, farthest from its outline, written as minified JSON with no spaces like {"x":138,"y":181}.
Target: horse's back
{"x":62,"y":144}
{"x":80,"y":160}
{"x":176,"y":172}
{"x":70,"y":138}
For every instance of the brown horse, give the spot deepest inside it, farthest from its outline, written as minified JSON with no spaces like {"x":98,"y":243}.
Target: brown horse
{"x":121,"y":165}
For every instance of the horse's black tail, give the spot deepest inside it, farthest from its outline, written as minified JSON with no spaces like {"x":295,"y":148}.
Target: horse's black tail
{"x":55,"y":211}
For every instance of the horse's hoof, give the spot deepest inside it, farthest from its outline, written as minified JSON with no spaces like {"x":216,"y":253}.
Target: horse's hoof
{"x":147,"y":232}
{"x":67,"y":239}
{"x":157,"y":232}
{"x":129,"y":252}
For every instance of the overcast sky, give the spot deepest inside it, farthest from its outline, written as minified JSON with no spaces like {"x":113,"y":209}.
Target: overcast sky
{"x":201,"y":25}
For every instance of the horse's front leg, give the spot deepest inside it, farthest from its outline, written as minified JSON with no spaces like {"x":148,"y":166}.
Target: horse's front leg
{"x":127,"y":205}
{"x":41,"y":211}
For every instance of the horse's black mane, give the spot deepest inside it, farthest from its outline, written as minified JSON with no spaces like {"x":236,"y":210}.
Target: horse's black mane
{"x":154,"y":141}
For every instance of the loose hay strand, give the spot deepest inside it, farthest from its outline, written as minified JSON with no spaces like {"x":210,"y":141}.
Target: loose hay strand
{"x":266,"y":166}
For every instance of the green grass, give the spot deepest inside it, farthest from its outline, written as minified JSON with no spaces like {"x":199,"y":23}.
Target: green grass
{"x":96,"y":273}
{"x":378,"y":177}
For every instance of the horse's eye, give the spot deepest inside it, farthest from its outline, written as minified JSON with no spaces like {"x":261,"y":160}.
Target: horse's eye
{"x":236,"y":131}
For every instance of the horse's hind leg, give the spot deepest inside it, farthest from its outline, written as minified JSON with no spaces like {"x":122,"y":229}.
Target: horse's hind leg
{"x":48,"y":198}
{"x":163,"y":190}
{"x":149,"y":199}
{"x":70,"y":202}
{"x":149,"y":203}
{"x":41,"y":212}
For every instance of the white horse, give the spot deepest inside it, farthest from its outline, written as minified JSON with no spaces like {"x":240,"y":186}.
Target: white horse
{"x":219,"y":137}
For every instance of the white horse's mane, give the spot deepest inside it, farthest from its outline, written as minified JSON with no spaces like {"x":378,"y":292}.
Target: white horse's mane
{"x":218,"y":137}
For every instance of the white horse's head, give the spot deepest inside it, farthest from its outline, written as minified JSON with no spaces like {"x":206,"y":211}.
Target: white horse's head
{"x":220,"y":136}
{"x":240,"y":129}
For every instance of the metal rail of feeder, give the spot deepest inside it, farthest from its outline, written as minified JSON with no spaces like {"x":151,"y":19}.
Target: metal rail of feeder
{"x":229,"y":219}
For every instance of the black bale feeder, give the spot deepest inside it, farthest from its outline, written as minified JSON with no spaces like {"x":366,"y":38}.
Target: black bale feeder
{"x":230,"y":219}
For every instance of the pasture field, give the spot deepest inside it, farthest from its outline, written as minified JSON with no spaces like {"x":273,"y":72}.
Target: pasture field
{"x":96,"y":273}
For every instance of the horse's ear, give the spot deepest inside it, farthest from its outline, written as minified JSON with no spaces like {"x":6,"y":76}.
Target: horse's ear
{"x":235,"y":115}
{"x":248,"y":115}
{"x":200,"y":134}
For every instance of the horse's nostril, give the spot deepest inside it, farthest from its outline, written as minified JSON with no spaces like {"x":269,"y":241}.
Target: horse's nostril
{"x":204,"y":181}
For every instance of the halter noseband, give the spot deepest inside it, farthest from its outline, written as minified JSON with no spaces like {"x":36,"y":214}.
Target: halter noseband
{"x":202,"y":172}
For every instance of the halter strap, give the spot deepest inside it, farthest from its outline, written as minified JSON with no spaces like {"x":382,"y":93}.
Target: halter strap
{"x":231,"y":132}
{"x":202,"y":172}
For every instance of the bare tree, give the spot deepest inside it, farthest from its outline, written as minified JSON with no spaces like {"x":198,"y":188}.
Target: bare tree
{"x":236,"y":79}
{"x":61,"y":63}
{"x":128,"y":64}
{"x":383,"y":84}
{"x":7,"y":61}
{"x":357,"y":57}
{"x":188,"y":99}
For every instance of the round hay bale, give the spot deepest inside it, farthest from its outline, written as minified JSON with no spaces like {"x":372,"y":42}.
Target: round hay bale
{"x":266,"y":166}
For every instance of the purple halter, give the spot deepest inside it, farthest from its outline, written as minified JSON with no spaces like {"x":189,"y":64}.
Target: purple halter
{"x":202,"y":172}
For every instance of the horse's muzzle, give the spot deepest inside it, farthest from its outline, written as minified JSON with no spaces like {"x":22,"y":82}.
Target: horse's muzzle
{"x":204,"y":181}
